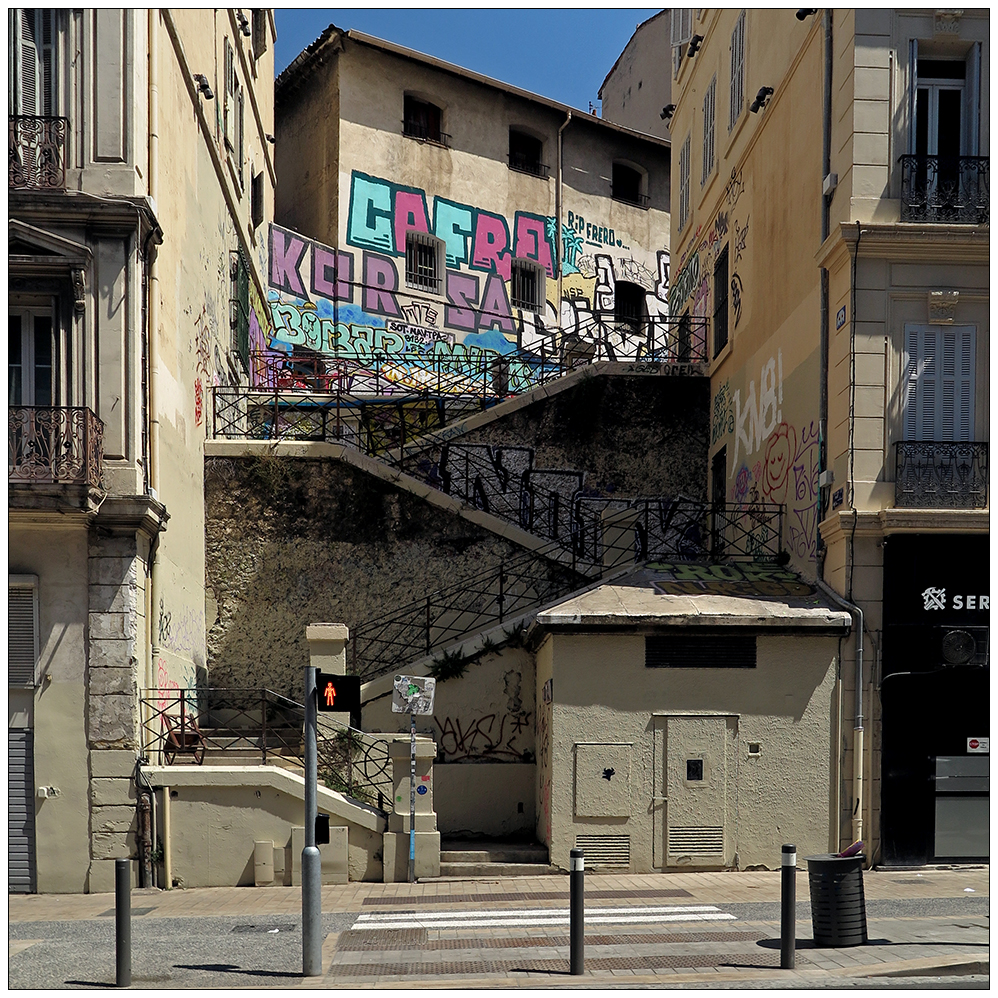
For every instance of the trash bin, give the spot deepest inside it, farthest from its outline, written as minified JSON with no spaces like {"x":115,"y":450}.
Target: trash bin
{"x":838,"y":908}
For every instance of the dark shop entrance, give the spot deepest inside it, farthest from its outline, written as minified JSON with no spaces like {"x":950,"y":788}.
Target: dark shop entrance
{"x":935,"y":699}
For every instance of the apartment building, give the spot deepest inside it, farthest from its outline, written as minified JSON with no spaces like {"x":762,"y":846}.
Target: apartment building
{"x":140,"y":189}
{"x":831,"y":219}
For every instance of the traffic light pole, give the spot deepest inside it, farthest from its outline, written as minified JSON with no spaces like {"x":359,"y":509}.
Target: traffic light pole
{"x":412,"y":798}
{"x":311,"y":862}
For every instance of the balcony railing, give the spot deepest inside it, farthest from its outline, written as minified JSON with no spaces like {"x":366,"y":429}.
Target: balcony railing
{"x":55,"y":446}
{"x":37,"y":152}
{"x":526,"y":164}
{"x":418,"y":130}
{"x":945,"y":189}
{"x":936,"y":474}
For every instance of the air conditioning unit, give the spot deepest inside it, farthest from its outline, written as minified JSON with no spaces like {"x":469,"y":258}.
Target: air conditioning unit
{"x":963,"y":646}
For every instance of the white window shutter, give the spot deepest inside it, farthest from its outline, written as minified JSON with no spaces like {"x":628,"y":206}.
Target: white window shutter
{"x":909,"y":383}
{"x":964,"y":385}
{"x":28,"y":102}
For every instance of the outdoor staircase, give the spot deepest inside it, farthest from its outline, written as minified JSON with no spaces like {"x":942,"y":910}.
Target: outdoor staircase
{"x":470,"y":859}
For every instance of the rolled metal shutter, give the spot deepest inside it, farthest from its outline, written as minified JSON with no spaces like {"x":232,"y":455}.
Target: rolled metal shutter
{"x":20,"y":812}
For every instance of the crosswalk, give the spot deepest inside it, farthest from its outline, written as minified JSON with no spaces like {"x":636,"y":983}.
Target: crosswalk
{"x":526,"y":917}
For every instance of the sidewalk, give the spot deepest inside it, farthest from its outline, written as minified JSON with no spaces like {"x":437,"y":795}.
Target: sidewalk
{"x":694,"y":929}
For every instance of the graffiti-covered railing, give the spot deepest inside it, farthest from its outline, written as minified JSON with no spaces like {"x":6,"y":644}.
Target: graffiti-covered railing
{"x":936,"y":474}
{"x":36,"y":152}
{"x":185,"y":725}
{"x":603,"y":535}
{"x":945,"y":189}
{"x":53,"y":445}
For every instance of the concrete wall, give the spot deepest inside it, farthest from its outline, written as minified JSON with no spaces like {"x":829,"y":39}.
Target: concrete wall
{"x":606,"y":700}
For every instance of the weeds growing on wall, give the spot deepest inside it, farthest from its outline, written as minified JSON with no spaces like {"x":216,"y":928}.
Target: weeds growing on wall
{"x":452,"y":664}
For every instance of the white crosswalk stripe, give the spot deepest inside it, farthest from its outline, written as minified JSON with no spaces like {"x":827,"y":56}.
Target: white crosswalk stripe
{"x":516,"y":917}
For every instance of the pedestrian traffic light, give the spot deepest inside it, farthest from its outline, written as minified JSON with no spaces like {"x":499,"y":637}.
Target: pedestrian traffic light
{"x":338,"y":693}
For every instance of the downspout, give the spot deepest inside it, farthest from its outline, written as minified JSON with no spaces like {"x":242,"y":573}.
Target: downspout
{"x":557,"y":211}
{"x":826,"y":204}
{"x":857,"y":749}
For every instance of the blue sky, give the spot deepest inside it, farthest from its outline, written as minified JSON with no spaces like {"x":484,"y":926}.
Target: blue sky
{"x":559,"y":53}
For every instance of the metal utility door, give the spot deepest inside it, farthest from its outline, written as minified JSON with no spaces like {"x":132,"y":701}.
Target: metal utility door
{"x":693,"y":801}
{"x":20,"y":813}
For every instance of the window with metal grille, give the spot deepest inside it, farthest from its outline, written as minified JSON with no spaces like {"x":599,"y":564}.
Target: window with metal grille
{"x":708,"y":131}
{"x":737,"y":71}
{"x":22,"y":630}
{"x":256,"y":200}
{"x":527,"y":280}
{"x":937,"y":382}
{"x":684,"y":183}
{"x":721,"y":302}
{"x":628,"y":304}
{"x":421,"y":119}
{"x":259,"y":32}
{"x":424,"y":265}
{"x":700,"y":651}
{"x":239,"y":307}
{"x":525,"y":153}
{"x":626,"y":184}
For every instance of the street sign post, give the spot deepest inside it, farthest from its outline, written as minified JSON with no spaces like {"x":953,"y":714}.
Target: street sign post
{"x":413,"y":695}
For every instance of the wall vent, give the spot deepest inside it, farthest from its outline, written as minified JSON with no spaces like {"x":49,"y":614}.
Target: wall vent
{"x":696,"y":841}
{"x":700,"y":651}
{"x":605,"y":850}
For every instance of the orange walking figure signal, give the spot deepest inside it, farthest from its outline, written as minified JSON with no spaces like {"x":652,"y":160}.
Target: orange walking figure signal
{"x":330,"y":694}
{"x":339,"y":694}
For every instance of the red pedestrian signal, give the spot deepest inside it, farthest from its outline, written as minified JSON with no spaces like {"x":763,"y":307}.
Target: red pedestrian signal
{"x":337,"y":693}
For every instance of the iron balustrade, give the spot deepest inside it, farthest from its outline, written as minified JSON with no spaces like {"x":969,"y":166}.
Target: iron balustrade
{"x":945,"y":189}
{"x":37,"y":147}
{"x":55,"y":445}
{"x":941,"y":475}
{"x":194,"y":722}
{"x":525,"y":164}
{"x":425,"y":133}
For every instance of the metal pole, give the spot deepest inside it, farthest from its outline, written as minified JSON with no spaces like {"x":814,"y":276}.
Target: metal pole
{"x":122,"y":923}
{"x":577,"y":903}
{"x":412,"y":798}
{"x":788,"y":908}
{"x":311,"y":863}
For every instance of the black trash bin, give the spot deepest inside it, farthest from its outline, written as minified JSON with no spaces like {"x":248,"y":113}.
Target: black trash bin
{"x":838,"y":907}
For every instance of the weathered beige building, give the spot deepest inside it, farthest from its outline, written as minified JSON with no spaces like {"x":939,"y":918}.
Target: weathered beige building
{"x":831,"y":217}
{"x":140,"y":187}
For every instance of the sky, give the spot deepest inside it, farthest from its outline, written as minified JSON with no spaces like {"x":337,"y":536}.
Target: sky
{"x":560,"y":53}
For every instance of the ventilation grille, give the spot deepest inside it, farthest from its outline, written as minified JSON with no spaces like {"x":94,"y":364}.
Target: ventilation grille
{"x":605,"y":850}
{"x":696,"y":841}
{"x":21,"y":636}
{"x":700,"y":652}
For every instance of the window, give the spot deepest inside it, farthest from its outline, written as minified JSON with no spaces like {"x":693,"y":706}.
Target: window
{"x":708,"y":131}
{"x":528,"y":284}
{"x":701,"y":651}
{"x":718,"y":499}
{"x":259,"y":32}
{"x":937,"y":382}
{"x":525,"y":153}
{"x":422,"y":120}
{"x":22,"y":629}
{"x":737,"y":71}
{"x":424,"y":262}
{"x":29,"y":357}
{"x":626,"y":185}
{"x":256,"y":200}
{"x":685,"y":339}
{"x":681,"y":31}
{"x":629,"y":305}
{"x":721,"y":302}
{"x":33,"y":65}
{"x":233,"y":112}
{"x":684,"y":183}
{"x":945,"y":101}
{"x":239,"y":307}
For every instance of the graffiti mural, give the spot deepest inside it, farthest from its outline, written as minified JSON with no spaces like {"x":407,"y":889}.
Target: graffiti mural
{"x":355,"y":302}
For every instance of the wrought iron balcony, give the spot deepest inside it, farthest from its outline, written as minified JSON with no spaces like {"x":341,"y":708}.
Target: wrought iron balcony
{"x":525,"y":164}
{"x":934,"y":474}
{"x":55,"y":446}
{"x":37,"y":152}
{"x":945,"y":189}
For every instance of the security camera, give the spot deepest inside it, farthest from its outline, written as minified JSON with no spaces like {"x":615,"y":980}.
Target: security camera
{"x":805,"y":12}
{"x":667,"y":112}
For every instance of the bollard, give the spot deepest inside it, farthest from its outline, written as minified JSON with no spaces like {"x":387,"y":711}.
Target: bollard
{"x":788,"y":908}
{"x":122,"y":923}
{"x":577,"y":927}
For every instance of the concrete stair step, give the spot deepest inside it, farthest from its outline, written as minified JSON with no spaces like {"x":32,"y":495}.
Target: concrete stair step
{"x":471,"y":870}
{"x":510,"y":854}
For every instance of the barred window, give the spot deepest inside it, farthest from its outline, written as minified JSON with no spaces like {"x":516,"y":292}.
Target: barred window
{"x":421,"y":119}
{"x":424,"y":262}
{"x":525,"y":153}
{"x":626,"y":184}
{"x":708,"y":131}
{"x":737,"y":71}
{"x":527,"y":279}
{"x":721,"y":302}
{"x":684,"y":183}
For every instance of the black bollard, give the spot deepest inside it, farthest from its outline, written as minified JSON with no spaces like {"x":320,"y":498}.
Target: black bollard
{"x":577,"y":929}
{"x":123,"y":923}
{"x":788,"y":909}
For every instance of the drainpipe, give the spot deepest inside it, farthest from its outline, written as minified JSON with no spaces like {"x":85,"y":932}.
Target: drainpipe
{"x":167,"y":859}
{"x":857,"y":749}
{"x":557,"y":211}
{"x":826,"y":203}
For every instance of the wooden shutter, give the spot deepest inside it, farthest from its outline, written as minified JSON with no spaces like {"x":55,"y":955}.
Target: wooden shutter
{"x":737,"y":95}
{"x":22,"y":641}
{"x":27,"y":97}
{"x":937,"y":382}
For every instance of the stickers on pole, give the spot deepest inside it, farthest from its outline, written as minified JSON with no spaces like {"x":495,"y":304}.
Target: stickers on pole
{"x":413,"y":695}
